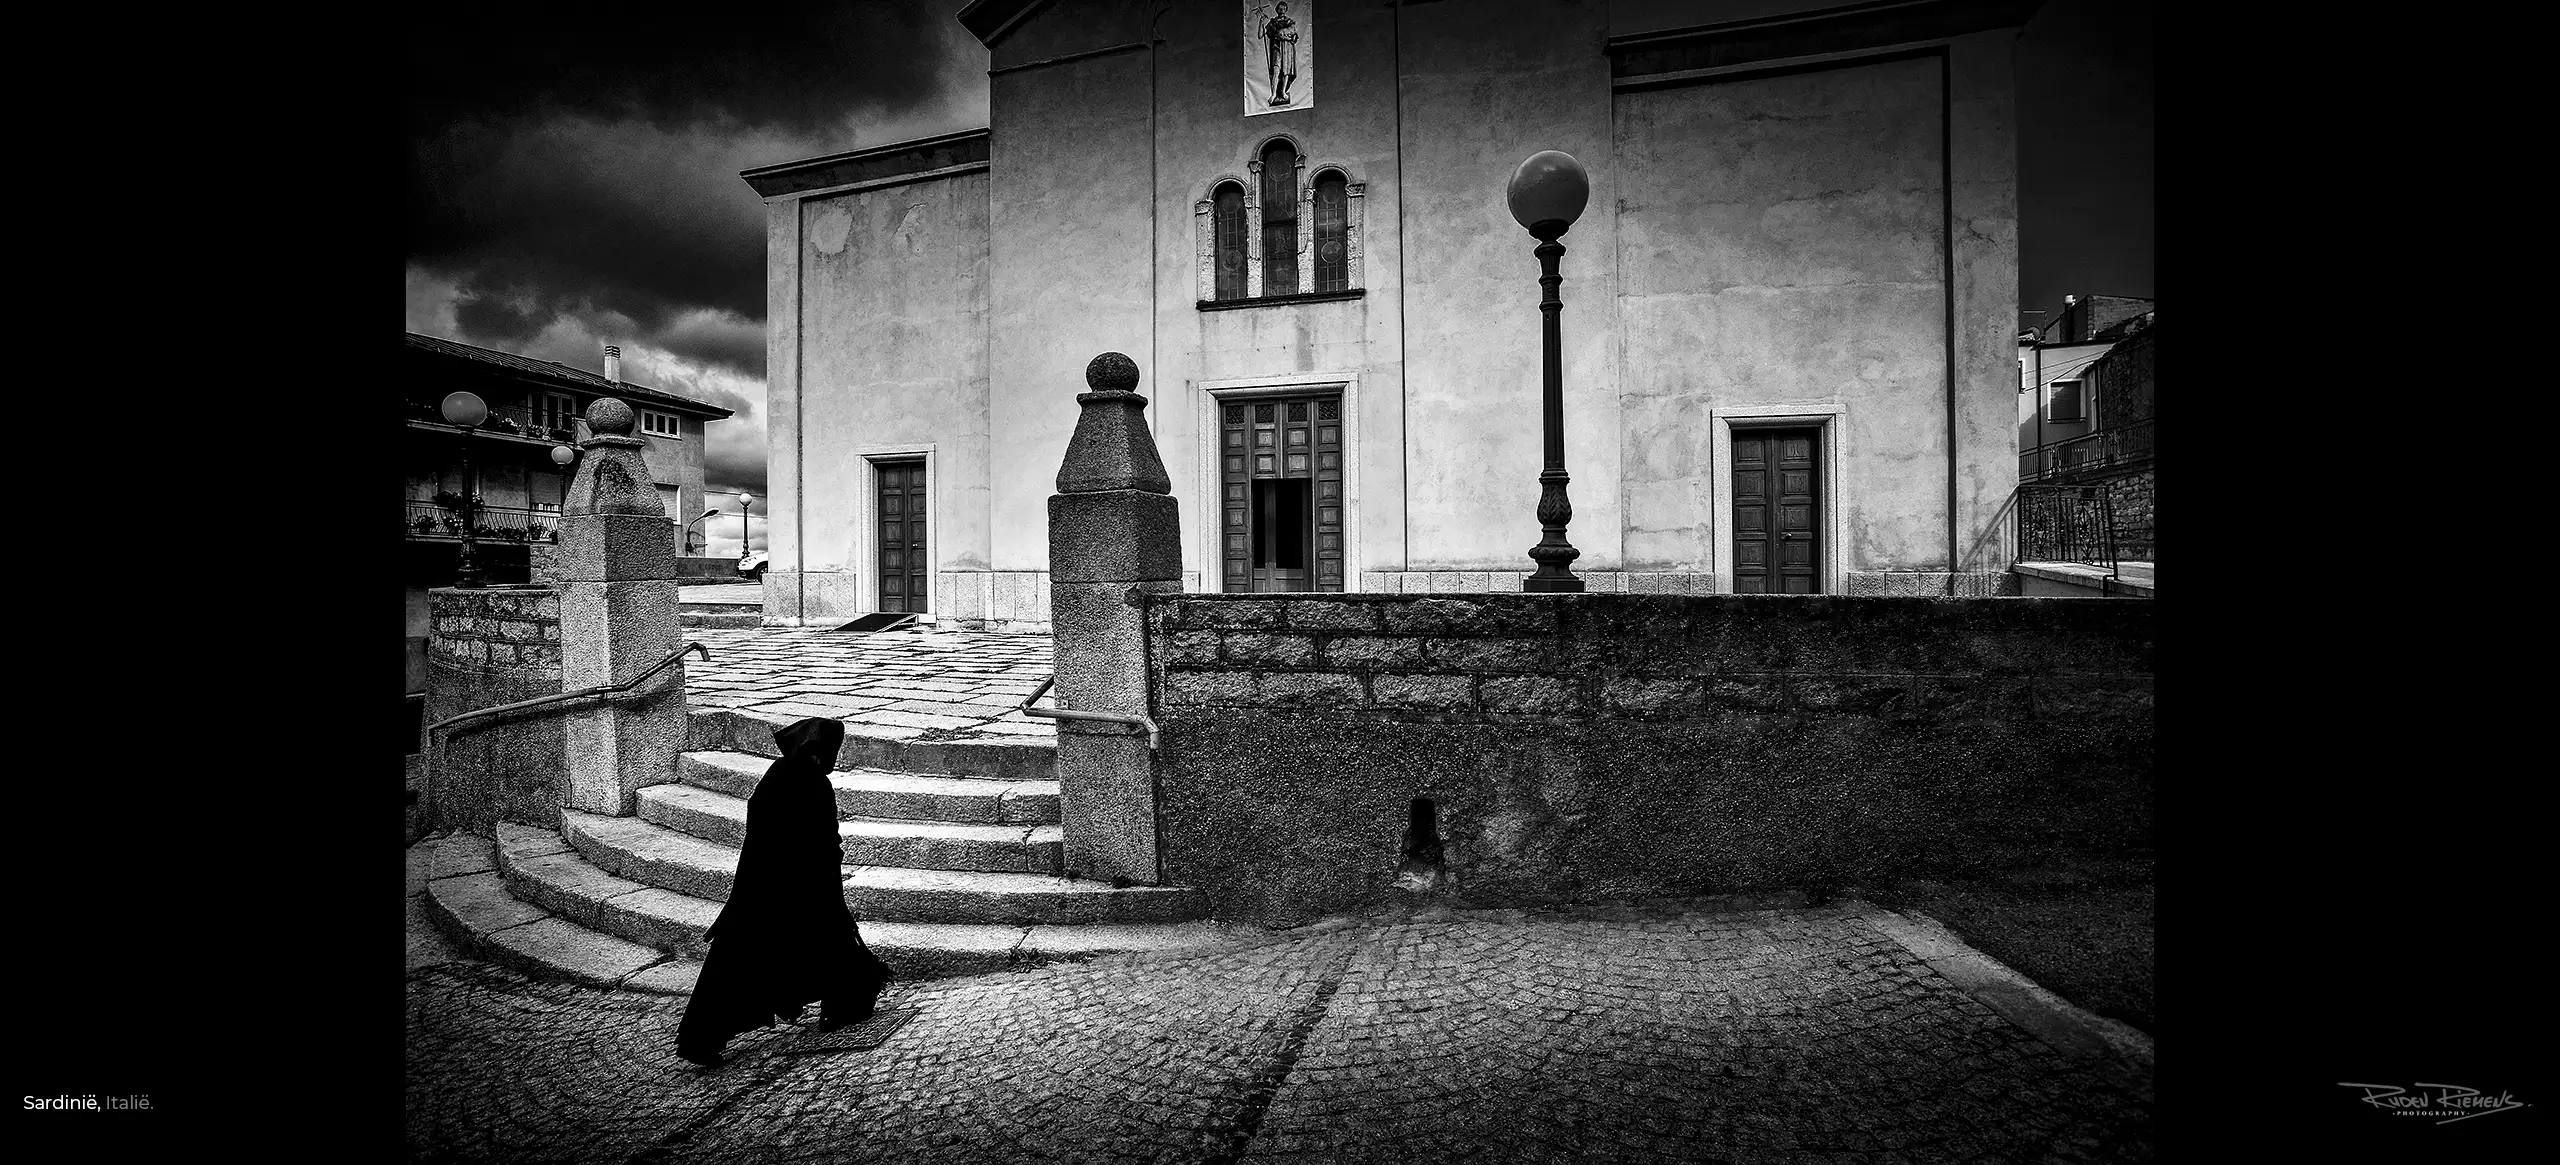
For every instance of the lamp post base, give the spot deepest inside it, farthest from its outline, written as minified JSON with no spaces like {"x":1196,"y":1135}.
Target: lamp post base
{"x":1556,"y":586}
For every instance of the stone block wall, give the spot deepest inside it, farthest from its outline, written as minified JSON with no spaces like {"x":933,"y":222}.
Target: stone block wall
{"x":485,"y":648}
{"x":1597,"y":746}
{"x":2129,"y":497}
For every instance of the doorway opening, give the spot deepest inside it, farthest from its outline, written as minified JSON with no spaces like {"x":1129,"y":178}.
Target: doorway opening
{"x":1280,"y":479}
{"x":1777,"y":511}
{"x":904,"y":568}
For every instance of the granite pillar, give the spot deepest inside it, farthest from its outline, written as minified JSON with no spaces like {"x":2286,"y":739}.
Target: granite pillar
{"x":1113,"y":534}
{"x":616,"y":568}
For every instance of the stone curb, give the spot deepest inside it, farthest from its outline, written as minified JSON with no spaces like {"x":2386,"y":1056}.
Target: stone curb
{"x":2118,"y":1051}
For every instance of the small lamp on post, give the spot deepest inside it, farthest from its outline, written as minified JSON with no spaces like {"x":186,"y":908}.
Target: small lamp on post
{"x":744,"y":500}
{"x":564,"y":456}
{"x":1547,"y":193}
{"x":467,"y":411}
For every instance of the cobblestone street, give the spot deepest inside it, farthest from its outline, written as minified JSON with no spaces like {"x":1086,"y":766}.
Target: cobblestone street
{"x":897,"y":685}
{"x":1806,"y":1034}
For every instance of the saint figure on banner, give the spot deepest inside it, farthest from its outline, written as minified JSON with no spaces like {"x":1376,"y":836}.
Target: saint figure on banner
{"x":1280,"y":47}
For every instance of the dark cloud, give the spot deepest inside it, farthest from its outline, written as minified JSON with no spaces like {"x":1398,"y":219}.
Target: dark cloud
{"x":793,"y":67}
{"x":2085,"y":147}
{"x":725,"y":341}
{"x":563,"y":215}
{"x":581,"y":162}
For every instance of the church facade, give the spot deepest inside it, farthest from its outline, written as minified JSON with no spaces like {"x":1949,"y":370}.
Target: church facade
{"x":1788,"y":325}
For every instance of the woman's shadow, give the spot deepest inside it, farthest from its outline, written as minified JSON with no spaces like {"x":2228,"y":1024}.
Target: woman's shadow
{"x":785,"y":937}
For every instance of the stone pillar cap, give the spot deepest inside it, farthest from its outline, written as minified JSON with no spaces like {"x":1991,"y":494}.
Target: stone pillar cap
{"x":609,"y":422}
{"x":1111,"y":448}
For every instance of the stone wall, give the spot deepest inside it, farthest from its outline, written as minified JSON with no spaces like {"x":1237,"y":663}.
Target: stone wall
{"x":485,"y":648}
{"x":2129,"y":497}
{"x":1596,"y":746}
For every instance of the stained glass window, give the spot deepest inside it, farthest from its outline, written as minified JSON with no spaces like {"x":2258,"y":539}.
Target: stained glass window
{"x":1333,"y":252}
{"x":1280,"y":220}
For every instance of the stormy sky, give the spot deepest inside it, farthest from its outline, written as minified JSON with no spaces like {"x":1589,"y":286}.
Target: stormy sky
{"x":573,"y":172}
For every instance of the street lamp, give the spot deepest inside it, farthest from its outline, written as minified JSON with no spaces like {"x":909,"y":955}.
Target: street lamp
{"x":467,"y":411}
{"x":563,"y":456}
{"x":688,"y":532}
{"x":744,"y":500}
{"x":1546,"y":194}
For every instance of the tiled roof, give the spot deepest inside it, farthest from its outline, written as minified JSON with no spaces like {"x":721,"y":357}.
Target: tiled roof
{"x":564,"y":375}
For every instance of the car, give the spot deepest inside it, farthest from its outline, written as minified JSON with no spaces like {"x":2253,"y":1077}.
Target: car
{"x":751,"y":564}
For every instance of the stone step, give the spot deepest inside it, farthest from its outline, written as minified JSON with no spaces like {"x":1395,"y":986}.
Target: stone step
{"x":1024,"y":758}
{"x":670,"y":859}
{"x":693,"y":618}
{"x":878,"y":793}
{"x":542,"y":869}
{"x":477,"y":911}
{"x":869,"y":841}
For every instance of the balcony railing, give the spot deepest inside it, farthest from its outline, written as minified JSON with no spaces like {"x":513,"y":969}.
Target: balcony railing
{"x":508,"y":420}
{"x":2064,"y":523}
{"x":443,"y":521}
{"x":2117,"y":445}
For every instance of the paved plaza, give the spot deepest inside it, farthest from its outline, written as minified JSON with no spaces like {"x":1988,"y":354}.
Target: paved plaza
{"x":907,"y":684}
{"x":1832,"y":1034}
{"x":1738,"y":1029}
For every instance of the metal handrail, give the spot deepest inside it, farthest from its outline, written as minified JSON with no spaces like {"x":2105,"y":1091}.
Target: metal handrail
{"x":580,"y":694}
{"x":1133,"y":720}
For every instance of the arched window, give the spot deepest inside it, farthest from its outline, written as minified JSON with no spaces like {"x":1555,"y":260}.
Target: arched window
{"x":1279,"y":219}
{"x":1333,"y":223}
{"x":1227,"y":243}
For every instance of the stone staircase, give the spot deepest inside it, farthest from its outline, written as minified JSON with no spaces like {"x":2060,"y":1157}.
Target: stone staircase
{"x":953,"y":850}
{"x":721,"y":613}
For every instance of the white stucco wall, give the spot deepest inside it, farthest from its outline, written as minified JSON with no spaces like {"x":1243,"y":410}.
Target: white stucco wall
{"x":1837,"y":244}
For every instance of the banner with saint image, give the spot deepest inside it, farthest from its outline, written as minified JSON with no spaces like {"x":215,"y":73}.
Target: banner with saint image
{"x":1279,"y":55}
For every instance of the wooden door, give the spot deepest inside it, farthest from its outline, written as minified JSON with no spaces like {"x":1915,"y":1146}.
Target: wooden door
{"x":1280,"y":486}
{"x":1776,"y":510}
{"x":905,"y":581}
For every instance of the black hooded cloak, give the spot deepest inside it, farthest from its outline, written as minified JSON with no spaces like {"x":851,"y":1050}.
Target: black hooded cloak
{"x":785,"y":937}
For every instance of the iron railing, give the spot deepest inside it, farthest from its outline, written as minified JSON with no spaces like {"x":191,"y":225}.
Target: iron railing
{"x":1133,"y":720}
{"x":443,"y":520}
{"x":599,"y":691}
{"x":2113,"y":446}
{"x":509,"y":420}
{"x":2064,"y":523}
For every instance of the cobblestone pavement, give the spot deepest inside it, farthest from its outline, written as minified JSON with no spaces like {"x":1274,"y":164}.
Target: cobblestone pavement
{"x":1797,"y":1035}
{"x":899,"y":684}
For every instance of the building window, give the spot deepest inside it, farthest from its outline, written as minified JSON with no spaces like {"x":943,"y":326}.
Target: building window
{"x":2066,"y":402}
{"x":1333,"y":233}
{"x":553,"y":410}
{"x":1274,"y":235}
{"x":660,"y":424}
{"x":1279,"y":219}
{"x":1228,"y":241}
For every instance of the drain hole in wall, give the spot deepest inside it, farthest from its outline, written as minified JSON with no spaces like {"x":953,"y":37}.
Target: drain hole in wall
{"x":1420,"y":867}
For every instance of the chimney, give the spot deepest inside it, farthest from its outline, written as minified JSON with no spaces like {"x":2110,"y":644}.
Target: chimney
{"x":613,"y":363}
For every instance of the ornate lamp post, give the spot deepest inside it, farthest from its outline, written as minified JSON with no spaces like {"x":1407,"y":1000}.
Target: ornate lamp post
{"x":744,"y":500}
{"x":1546,"y":194}
{"x":467,"y":411}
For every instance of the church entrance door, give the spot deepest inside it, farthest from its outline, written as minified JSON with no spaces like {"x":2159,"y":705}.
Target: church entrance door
{"x":1776,"y":500}
{"x":1280,"y":486}
{"x":904,"y":585}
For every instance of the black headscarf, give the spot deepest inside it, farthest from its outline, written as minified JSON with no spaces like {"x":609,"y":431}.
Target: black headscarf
{"x":785,"y":937}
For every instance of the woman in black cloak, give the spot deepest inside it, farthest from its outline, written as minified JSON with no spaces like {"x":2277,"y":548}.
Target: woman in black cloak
{"x":785,"y":937}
